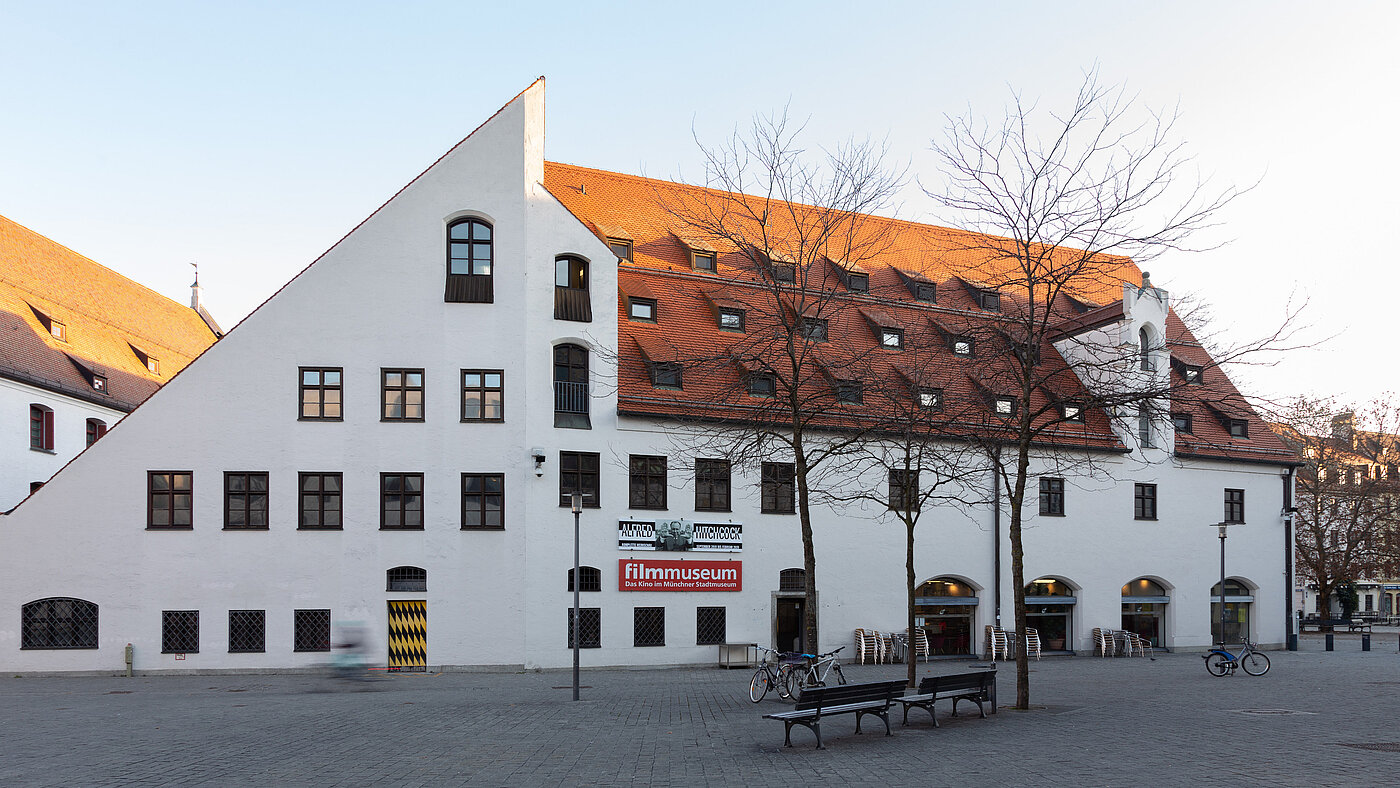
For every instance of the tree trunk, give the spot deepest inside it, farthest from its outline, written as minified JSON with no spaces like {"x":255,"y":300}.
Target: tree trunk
{"x":911,"y":653}
{"x":1018,"y":579}
{"x":809,"y":555}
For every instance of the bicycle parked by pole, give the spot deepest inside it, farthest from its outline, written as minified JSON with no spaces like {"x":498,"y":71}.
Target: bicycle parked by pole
{"x":814,"y":672}
{"x":1220,"y":662}
{"x":772,"y":674}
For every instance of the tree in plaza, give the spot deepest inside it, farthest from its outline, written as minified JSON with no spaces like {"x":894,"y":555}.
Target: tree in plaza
{"x":1347,"y":524}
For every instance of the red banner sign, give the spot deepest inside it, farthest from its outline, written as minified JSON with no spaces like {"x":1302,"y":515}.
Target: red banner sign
{"x":645,"y":574}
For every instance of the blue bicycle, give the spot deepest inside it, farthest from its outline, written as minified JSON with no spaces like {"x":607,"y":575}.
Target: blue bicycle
{"x":1221,"y":662}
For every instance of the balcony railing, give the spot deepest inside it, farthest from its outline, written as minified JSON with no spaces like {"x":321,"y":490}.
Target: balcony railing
{"x":570,"y":397}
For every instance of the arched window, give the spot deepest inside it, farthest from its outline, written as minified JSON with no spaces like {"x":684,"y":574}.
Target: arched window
{"x":590,"y":579}
{"x":792,"y":580}
{"x":1238,"y":599}
{"x":945,"y":608}
{"x":407,"y":578}
{"x":470,"y":262}
{"x":571,"y":299}
{"x":1145,"y":610}
{"x":1050,"y":612}
{"x":1145,"y":349}
{"x":96,"y":428}
{"x":40,"y":428}
{"x":58,"y":622}
{"x":571,"y":387}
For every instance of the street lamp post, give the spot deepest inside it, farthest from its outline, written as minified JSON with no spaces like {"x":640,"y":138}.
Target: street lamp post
{"x":576,"y":504}
{"x":1222,"y":526}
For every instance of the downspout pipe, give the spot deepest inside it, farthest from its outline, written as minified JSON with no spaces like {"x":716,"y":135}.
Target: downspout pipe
{"x":1291,"y":622}
{"x":996,"y":537}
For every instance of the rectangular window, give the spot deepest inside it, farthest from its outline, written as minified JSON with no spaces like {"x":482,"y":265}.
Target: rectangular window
{"x":1191,"y":373}
{"x":170,"y":499}
{"x":311,"y":630}
{"x":665,"y":375}
{"x":1073,"y":413}
{"x":591,"y":582}
{"x":648,"y":626}
{"x":1144,"y":502}
{"x":1052,"y":496}
{"x":179,"y":632}
{"x":1182,"y":422}
{"x":469,"y":262}
{"x":320,"y":393}
{"x":320,"y":501}
{"x":40,"y":428}
{"x":246,"y":631}
{"x":245,"y":500}
{"x":711,"y":485}
{"x":931,"y":399}
{"x":621,"y":247}
{"x":483,"y":395}
{"x":1239,"y":428}
{"x":777,"y":488}
{"x":1234,"y":506}
{"x":892,"y":338}
{"x":926,"y":291}
{"x":578,"y":472}
{"x":709,"y":626}
{"x":483,"y":500}
{"x":904,"y":490}
{"x":96,"y":428}
{"x":850,"y":392}
{"x":58,"y":331}
{"x":784,"y":272}
{"x":646,"y":484}
{"x":813,"y":328}
{"x":703,"y":261}
{"x":762,"y":384}
{"x":642,"y":309}
{"x":858,"y":283}
{"x":962,"y":346}
{"x":403,"y":395}
{"x":401,"y":501}
{"x":989,"y":300}
{"x":731,"y":319}
{"x":590,"y":627}
{"x":1004,"y":407}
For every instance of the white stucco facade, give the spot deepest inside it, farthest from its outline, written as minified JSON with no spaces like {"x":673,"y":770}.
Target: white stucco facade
{"x":22,"y":464}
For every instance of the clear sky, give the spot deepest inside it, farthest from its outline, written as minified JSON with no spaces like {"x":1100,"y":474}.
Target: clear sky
{"x":251,"y":136}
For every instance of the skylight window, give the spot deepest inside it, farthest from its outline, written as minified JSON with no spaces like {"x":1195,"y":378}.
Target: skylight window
{"x":1239,"y":428}
{"x":926,"y":291}
{"x":813,"y":328}
{"x":762,"y":385}
{"x":850,"y":392}
{"x":989,"y":300}
{"x":858,"y":283}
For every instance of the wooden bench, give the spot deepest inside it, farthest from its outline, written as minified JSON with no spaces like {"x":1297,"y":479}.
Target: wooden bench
{"x":859,"y":699}
{"x":979,"y":687}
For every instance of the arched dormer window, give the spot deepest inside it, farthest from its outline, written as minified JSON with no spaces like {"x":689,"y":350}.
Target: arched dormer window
{"x":407,"y":578}
{"x":1145,"y":350}
{"x":470,"y":262}
{"x":571,"y":298}
{"x":590,"y":579}
{"x":58,"y":622}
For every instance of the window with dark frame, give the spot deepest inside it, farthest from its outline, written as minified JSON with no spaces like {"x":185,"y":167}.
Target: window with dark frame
{"x":784,"y":272}
{"x":892,"y":338}
{"x":648,"y":626}
{"x":641,"y":309}
{"x":665,"y":375}
{"x":1072,"y":412}
{"x":320,"y":501}
{"x":792,"y":580}
{"x":777,"y":488}
{"x":989,"y":300}
{"x":926,"y":291}
{"x":850,"y":392}
{"x":621,"y":247}
{"x":571,"y":272}
{"x":646,"y":482}
{"x":571,"y":292}
{"x":858,"y":283}
{"x":411,"y":579}
{"x":1004,"y":407}
{"x":247,"y":631}
{"x":571,"y":387}
{"x":961,"y":346}
{"x":1052,"y":496}
{"x":1145,"y":427}
{"x":320,"y":394}
{"x":179,"y":632}
{"x":1144,"y":501}
{"x":590,"y":580}
{"x":40,"y":428}
{"x":470,"y":266}
{"x":904,"y":490}
{"x":712,"y":485}
{"x":813,"y":328}
{"x":402,"y":395}
{"x":578,"y":472}
{"x":401,"y":501}
{"x":1182,"y":422}
{"x":483,"y":395}
{"x":58,"y":623}
{"x":1239,"y":428}
{"x":170,"y":499}
{"x":1191,"y":374}
{"x":762,"y":384}
{"x":483,"y":501}
{"x":590,"y":629}
{"x":931,"y":399}
{"x":1234,"y":506}
{"x":311,"y":630}
{"x":245,"y":500}
{"x":96,"y":428}
{"x":709,"y":626}
{"x":731,"y":319}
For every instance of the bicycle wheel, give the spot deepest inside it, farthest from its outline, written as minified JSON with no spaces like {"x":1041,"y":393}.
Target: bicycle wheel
{"x":1255,"y":664}
{"x":840,"y":677}
{"x":758,"y":685}
{"x":780,"y":682}
{"x":1217,"y":664}
{"x":797,"y":680}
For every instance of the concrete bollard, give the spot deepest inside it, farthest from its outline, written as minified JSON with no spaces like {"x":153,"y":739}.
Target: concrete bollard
{"x":1365,"y":641}
{"x":1329,"y":641}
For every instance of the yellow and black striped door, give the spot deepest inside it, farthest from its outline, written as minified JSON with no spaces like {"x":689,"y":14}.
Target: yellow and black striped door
{"x":408,"y":635}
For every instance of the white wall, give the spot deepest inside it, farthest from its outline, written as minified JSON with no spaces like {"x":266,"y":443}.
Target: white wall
{"x":19,"y":464}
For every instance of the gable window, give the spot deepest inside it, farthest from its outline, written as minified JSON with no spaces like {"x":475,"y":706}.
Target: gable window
{"x":648,"y":626}
{"x":590,"y":627}
{"x":642,"y":309}
{"x":320,"y":394}
{"x":711,"y":485}
{"x":813,"y":328}
{"x":1182,"y":422}
{"x":96,"y":428}
{"x":925,"y":291}
{"x":413,"y":579}
{"x":646,"y":482}
{"x":590,"y":580}
{"x":990,"y":300}
{"x":931,"y":399}
{"x":403,"y":395}
{"x":483,"y":395}
{"x":858,"y":283}
{"x":622,"y":247}
{"x":179,"y":631}
{"x":850,"y":392}
{"x":469,"y":262}
{"x":311,"y":630}
{"x":1144,"y":502}
{"x":731,"y":319}
{"x":246,"y":631}
{"x":892,"y":338}
{"x":1239,"y":428}
{"x":709,"y":626}
{"x":904,"y":490}
{"x":762,"y":384}
{"x":1052,"y":496}
{"x":245,"y":500}
{"x":777,"y":488}
{"x":40,"y":428}
{"x":578,"y":472}
{"x":58,"y":623}
{"x":1004,"y":407}
{"x":1234,"y":506}
{"x":320,"y":501}
{"x":961,"y":346}
{"x":169,"y":499}
{"x":571,"y":387}
{"x":483,"y":500}
{"x":1073,"y":412}
{"x":665,"y":374}
{"x":571,"y":299}
{"x":401,"y":501}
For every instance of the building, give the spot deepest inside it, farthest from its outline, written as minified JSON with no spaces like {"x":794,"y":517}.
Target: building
{"x":80,"y":347}
{"x":393,"y":437}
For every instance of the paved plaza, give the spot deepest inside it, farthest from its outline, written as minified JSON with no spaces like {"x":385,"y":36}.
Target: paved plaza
{"x":1316,"y":719}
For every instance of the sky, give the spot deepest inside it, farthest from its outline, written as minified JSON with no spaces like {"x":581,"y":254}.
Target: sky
{"x":250,"y":137}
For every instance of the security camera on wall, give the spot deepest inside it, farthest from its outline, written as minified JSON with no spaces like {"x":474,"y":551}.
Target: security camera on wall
{"x":538,"y":455}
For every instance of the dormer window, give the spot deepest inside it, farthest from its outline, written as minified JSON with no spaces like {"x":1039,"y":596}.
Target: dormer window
{"x":962,"y":346}
{"x":858,"y":283}
{"x":892,"y":338}
{"x":151,"y":363}
{"x":1004,"y":407}
{"x":813,"y":328}
{"x":1181,"y":422}
{"x":925,"y":291}
{"x":1073,"y":412}
{"x":762,"y":384}
{"x":642,"y":309}
{"x":622,"y":247}
{"x":850,"y":392}
{"x":784,"y":272}
{"x":99,"y":383}
{"x":1191,"y":374}
{"x":931,"y":399}
{"x":58,"y":330}
{"x":665,"y":375}
{"x":731,"y":319}
{"x":703,"y":261}
{"x":990,"y":300}
{"x":1239,"y":428}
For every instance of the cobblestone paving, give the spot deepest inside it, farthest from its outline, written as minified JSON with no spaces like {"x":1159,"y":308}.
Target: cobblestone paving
{"x":1096,"y":722}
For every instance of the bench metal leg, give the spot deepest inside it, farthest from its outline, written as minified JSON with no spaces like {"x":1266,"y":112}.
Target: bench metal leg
{"x":978,"y":701}
{"x":884,"y":715}
{"x":928,"y":707}
{"x":814,"y":727}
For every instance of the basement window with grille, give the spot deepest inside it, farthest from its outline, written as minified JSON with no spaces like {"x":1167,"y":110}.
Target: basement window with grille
{"x":407,"y":578}
{"x":311,"y":630}
{"x":709,"y":626}
{"x":247,"y":631}
{"x":648,"y":626}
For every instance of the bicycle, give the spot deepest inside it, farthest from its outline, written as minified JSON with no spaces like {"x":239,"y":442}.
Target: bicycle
{"x":814,"y":672}
{"x":768,"y":677}
{"x":1219,"y":661}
